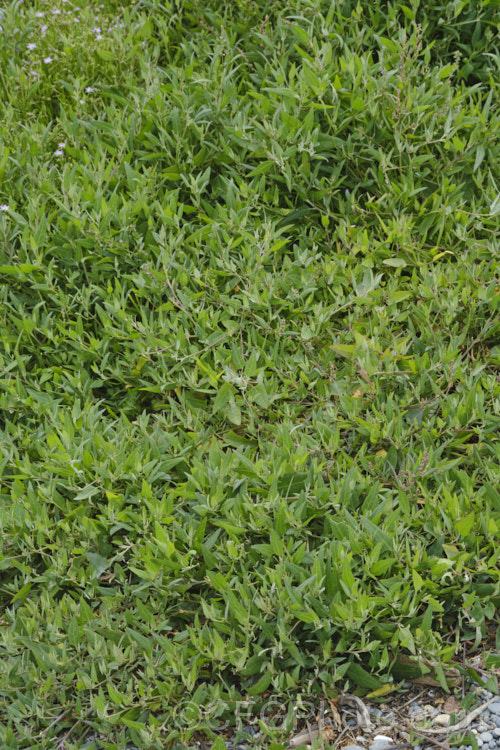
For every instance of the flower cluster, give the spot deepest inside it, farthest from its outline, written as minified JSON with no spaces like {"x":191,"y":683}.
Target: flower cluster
{"x":57,"y":14}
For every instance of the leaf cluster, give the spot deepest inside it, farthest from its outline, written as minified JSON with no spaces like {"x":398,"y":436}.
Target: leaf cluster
{"x":249,"y":361}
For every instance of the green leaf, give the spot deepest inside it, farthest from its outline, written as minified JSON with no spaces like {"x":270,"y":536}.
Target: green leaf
{"x":22,"y":268}
{"x":143,"y":642}
{"x":347,"y":575}
{"x":22,"y":593}
{"x":465,"y":525}
{"x":233,"y":412}
{"x":87,"y":493}
{"x":105,"y":55}
{"x":395,"y":262}
{"x":362,"y":678}
{"x":146,"y":30}
{"x":261,"y":684}
{"x":225,"y":394}
{"x":74,"y":634}
{"x":259,"y":395}
{"x":480,"y":153}
{"x":441,"y":678}
{"x":495,"y":206}
{"x":98,"y":562}
{"x":408,"y":12}
{"x":345,"y":350}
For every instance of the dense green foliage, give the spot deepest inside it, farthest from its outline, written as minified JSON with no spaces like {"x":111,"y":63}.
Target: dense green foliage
{"x":249,"y":363}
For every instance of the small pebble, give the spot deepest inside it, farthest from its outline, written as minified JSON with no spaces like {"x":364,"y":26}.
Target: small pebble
{"x":494,"y":708}
{"x":486,"y":736}
{"x":252,"y":731}
{"x":382,"y":744}
{"x":479,"y":741}
{"x":415,"y":709}
{"x":430,"y":709}
{"x":442,"y":720}
{"x":360,"y":740}
{"x":352,"y":747}
{"x":482,"y":727}
{"x":496,"y":732}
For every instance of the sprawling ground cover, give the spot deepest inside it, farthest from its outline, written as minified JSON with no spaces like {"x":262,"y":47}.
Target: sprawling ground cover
{"x":249,"y":365}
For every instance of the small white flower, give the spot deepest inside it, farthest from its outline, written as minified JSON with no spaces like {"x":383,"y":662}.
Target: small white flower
{"x":43,"y":29}
{"x":39,"y":14}
{"x":34,"y":73}
{"x":99,"y":37}
{"x":55,"y":12}
{"x":31,"y":45}
{"x":4,"y":207}
{"x":47,"y":60}
{"x":59,"y":152}
{"x":62,"y":145}
{"x":96,"y":29}
{"x":90,"y":89}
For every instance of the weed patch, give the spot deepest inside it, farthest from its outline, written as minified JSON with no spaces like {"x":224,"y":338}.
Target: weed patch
{"x":249,"y":366}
